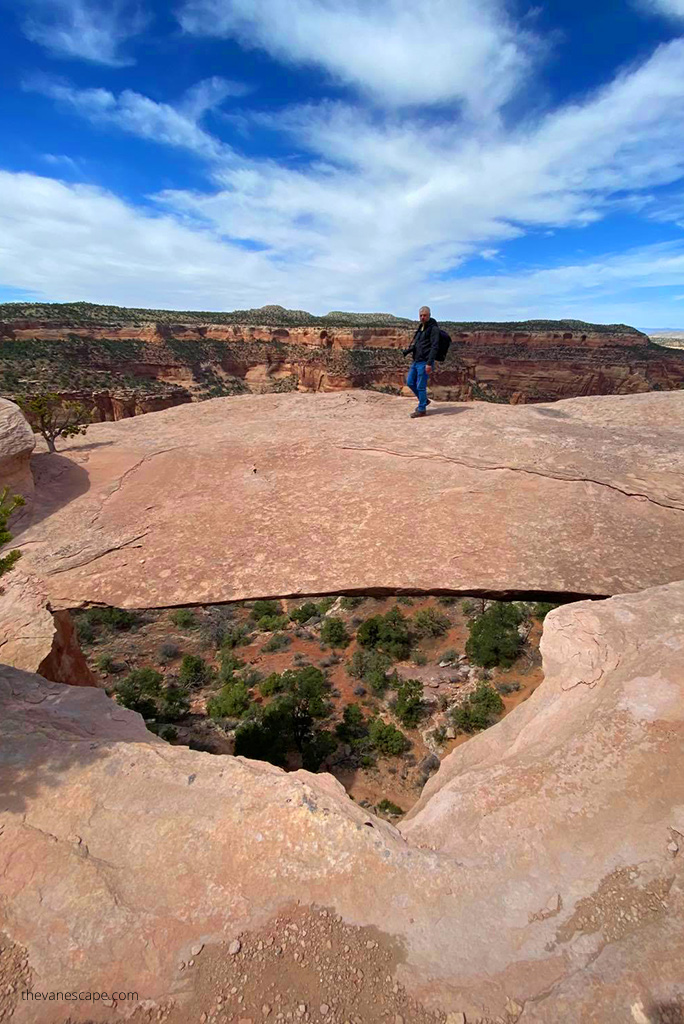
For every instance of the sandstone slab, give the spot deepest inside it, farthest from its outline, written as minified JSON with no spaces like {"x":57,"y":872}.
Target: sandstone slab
{"x":304,"y":494}
{"x":537,"y":871}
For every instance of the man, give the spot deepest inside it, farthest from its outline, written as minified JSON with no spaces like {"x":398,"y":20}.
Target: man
{"x":424,"y":350}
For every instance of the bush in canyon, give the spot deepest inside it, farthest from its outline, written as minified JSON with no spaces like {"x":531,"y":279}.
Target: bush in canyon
{"x":353,"y":725}
{"x":271,"y":684}
{"x":540,"y":609}
{"x":479,"y":711}
{"x":277,"y":642}
{"x":262,"y":607}
{"x":494,"y":637}
{"x":348,"y":604}
{"x":410,"y":707}
{"x":316,"y":749}
{"x":388,"y":807}
{"x":52,"y":417}
{"x":419,"y":658}
{"x":325,"y":604}
{"x":174,"y":703}
{"x":386,"y":738}
{"x":194,"y":671}
{"x":230,"y":664}
{"x":447,"y":601}
{"x":7,"y":507}
{"x":140,"y":691}
{"x":184,"y":618}
{"x":388,"y":633}
{"x":237,"y":636}
{"x":334,"y":633}
{"x":371,"y":666}
{"x":304,"y":612}
{"x":232,"y":701}
{"x":168,"y":651}
{"x":271,"y":623}
{"x":428,"y":622}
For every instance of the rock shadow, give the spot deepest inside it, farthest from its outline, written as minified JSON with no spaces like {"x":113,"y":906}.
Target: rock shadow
{"x":38,"y":739}
{"x":58,"y":480}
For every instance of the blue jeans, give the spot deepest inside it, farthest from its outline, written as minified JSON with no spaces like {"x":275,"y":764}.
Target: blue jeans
{"x":417,"y":381}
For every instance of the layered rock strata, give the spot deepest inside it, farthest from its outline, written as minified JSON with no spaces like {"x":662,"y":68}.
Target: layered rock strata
{"x":521,"y":362}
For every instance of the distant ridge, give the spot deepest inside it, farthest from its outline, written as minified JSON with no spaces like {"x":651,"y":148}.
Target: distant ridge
{"x":84,"y":313}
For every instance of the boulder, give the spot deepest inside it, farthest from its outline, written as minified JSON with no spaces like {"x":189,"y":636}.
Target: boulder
{"x":584,"y":497}
{"x":17,"y":441}
{"x":541,"y":868}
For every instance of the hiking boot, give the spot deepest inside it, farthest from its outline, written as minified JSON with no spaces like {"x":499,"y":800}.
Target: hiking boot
{"x":416,"y":413}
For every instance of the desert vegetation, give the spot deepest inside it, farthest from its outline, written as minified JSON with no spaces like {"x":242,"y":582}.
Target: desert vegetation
{"x":375,"y":691}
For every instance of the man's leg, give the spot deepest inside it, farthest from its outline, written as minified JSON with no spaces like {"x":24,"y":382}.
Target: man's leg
{"x":411,"y":380}
{"x":421,"y":389}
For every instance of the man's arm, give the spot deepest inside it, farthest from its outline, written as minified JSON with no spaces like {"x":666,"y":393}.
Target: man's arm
{"x":434,"y":345}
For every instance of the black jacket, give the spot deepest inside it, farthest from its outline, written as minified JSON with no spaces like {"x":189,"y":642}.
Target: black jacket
{"x":425,"y":343}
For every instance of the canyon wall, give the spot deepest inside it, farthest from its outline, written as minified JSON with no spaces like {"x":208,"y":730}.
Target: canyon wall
{"x":121,"y":369}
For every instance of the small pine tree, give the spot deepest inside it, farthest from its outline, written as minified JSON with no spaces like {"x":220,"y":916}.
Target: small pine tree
{"x":52,"y":417}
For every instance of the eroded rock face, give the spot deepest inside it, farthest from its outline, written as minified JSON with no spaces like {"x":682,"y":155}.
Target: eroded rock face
{"x":16,"y":444}
{"x":32,"y":638}
{"x":307,"y":494}
{"x":542,"y":868}
{"x":532,"y":362}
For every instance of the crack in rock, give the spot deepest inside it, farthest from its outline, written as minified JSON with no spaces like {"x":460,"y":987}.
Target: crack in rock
{"x":513,"y":469}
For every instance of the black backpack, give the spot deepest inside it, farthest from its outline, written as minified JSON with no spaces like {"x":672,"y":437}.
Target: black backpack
{"x":444,"y":342}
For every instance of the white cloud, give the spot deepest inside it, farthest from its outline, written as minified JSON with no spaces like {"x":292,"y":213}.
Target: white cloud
{"x":86,"y":29}
{"x":669,"y":8}
{"x":398,"y":51}
{"x":67,"y":242}
{"x":364,"y":224}
{"x":176,"y":126}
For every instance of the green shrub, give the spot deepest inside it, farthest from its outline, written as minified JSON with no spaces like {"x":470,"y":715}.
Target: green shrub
{"x":270,"y":623}
{"x":370,"y":666}
{"x":334,"y":633}
{"x":419,"y":658}
{"x":271,"y":684}
{"x":168,"y":733}
{"x":468,"y":607}
{"x":264,"y":609}
{"x":386,"y":738}
{"x":194,"y":671}
{"x":277,"y":643}
{"x":348,"y":604}
{"x":405,"y":600}
{"x":479,"y":711}
{"x":316,"y":749}
{"x":184,"y":618}
{"x":325,"y":604}
{"x":88,"y":622}
{"x":232,"y":701}
{"x":304,"y":612}
{"x":236,"y":636}
{"x":105,"y":663}
{"x":507,"y":687}
{"x":447,"y":601}
{"x":494,"y":637}
{"x":353,"y":725}
{"x":268,"y":736}
{"x":388,"y":633}
{"x":409,"y":707}
{"x":174,"y":703}
{"x":140,"y":691}
{"x":540,"y":609}
{"x":451,"y":654}
{"x":388,"y":807}
{"x":7,"y":507}
{"x":429,"y":622}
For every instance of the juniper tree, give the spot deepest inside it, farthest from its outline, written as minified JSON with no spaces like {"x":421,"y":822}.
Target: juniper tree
{"x":53,"y":417}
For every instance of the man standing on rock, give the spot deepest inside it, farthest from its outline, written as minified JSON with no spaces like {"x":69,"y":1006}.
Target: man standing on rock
{"x":424,"y":350}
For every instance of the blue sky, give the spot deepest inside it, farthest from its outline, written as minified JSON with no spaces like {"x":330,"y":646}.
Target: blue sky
{"x":494,"y":160}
